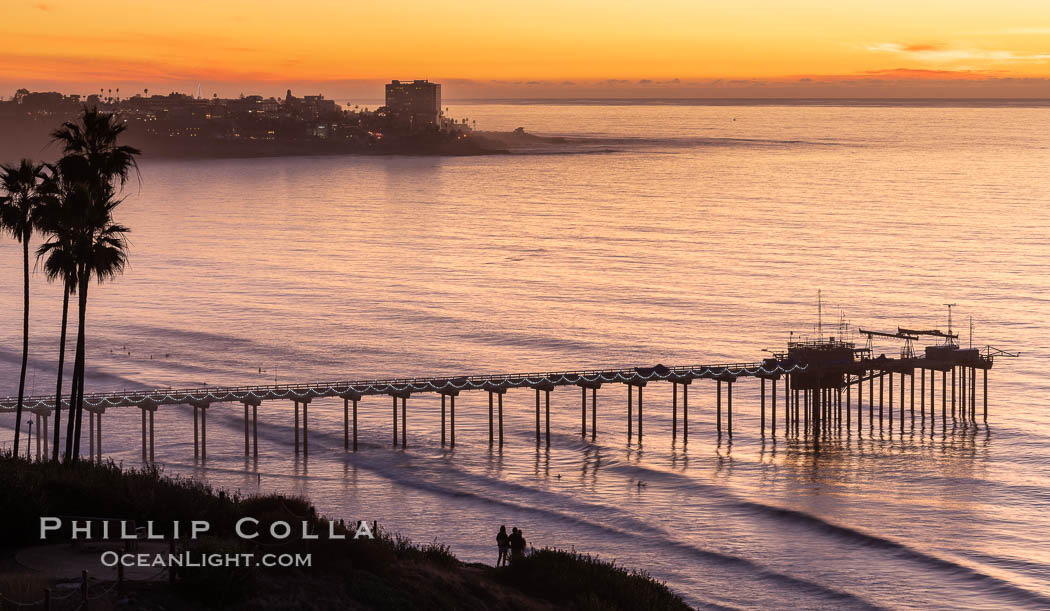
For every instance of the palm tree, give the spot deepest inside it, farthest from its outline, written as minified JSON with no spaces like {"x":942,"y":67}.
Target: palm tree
{"x":56,"y":219}
{"x":91,"y":153}
{"x":94,"y":162}
{"x":100,"y":251}
{"x":22,"y":185}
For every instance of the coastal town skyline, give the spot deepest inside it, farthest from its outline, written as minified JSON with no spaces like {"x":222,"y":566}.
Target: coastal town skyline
{"x":667,"y":49}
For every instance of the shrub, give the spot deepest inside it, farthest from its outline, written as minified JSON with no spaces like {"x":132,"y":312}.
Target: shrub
{"x":587,"y":582}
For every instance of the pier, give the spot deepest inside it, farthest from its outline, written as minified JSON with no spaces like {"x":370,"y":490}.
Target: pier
{"x":820,"y":383}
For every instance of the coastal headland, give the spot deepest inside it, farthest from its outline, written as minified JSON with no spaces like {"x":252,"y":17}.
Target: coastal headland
{"x":179,"y":125}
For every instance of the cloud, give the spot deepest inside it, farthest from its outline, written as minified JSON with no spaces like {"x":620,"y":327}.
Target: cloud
{"x":44,"y":7}
{"x":935,"y":53}
{"x":917,"y":48}
{"x":1026,"y":31}
{"x":913,"y":73}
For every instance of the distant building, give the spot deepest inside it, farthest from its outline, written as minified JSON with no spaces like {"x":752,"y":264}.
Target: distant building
{"x":414,"y":106}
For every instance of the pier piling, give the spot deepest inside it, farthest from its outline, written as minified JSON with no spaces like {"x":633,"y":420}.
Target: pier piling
{"x":630,"y":413}
{"x":685,"y":412}
{"x":902,"y":403}
{"x":547,"y":414}
{"x":718,"y":408}
{"x":204,"y":432}
{"x":944,"y":401}
{"x":922,"y":398}
{"x":255,"y":429}
{"x":953,"y":392}
{"x":143,"y":435}
{"x":882,"y":384}
{"x":763,"y":403}
{"x":911,"y":396}
{"x":594,"y":413}
{"x":297,"y":427}
{"x":871,"y":401}
{"x":890,"y":401}
{"x":860,"y":404}
{"x":538,"y":415}
{"x":583,"y":411}
{"x":640,"y":412}
{"x":773,"y":408}
{"x":729,"y":408}
{"x":674,"y":411}
{"x":973,"y":397}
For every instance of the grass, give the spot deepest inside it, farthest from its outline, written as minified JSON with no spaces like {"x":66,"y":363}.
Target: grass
{"x":389,"y":572}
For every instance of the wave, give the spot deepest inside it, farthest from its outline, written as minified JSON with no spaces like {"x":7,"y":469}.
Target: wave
{"x":558,"y":144}
{"x":406,"y":469}
{"x":996,"y":584}
{"x":633,"y":527}
{"x":852,"y":535}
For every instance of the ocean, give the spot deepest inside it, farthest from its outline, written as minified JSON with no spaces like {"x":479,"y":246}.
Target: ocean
{"x":673,"y":234}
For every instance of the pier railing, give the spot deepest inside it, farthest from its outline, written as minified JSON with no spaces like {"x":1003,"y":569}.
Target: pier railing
{"x":386,"y":386}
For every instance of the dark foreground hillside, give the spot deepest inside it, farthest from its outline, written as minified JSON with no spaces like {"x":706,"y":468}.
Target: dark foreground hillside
{"x":388,"y":572}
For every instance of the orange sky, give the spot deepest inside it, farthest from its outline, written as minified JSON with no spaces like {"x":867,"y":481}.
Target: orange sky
{"x":534,"y":47}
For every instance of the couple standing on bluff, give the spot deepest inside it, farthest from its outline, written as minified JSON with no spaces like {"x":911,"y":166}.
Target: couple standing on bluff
{"x":512,"y":545}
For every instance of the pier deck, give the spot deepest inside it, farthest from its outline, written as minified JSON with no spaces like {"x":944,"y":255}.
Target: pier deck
{"x":815,"y":376}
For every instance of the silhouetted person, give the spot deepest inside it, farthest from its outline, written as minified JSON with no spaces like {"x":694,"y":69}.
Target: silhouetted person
{"x":517,"y":544}
{"x":503,"y":543}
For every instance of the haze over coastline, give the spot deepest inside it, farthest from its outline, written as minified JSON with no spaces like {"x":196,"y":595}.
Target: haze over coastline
{"x":661,"y":48}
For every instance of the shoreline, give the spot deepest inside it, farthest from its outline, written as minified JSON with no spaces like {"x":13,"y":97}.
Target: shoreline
{"x":30,"y":138}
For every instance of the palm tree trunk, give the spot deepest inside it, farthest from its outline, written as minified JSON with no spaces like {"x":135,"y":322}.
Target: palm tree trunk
{"x":84,"y":277}
{"x":71,"y":413}
{"x":71,"y":420}
{"x":61,"y":363}
{"x":25,"y":338}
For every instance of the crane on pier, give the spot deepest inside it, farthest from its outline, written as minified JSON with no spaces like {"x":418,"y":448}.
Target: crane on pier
{"x":991,"y":352}
{"x":907,"y":352}
{"x":929,"y":332}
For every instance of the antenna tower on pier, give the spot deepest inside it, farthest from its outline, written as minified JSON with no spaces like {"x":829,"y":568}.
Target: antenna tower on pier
{"x":820,"y":317}
{"x":948,"y":340}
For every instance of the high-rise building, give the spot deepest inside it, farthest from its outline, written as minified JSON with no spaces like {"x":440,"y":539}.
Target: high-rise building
{"x":414,"y":106}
